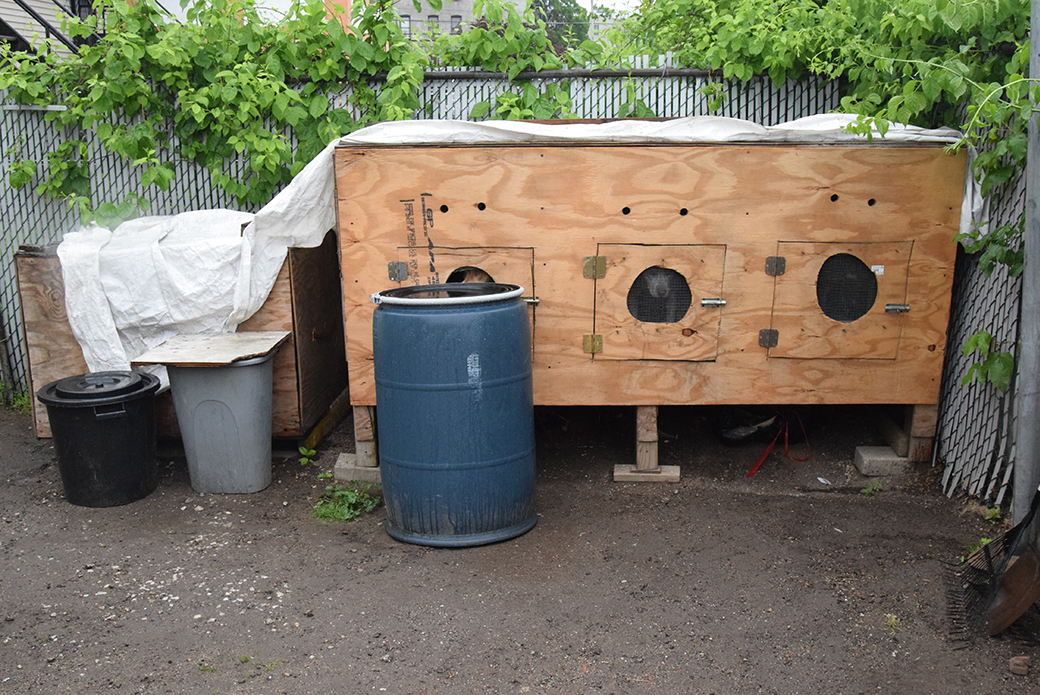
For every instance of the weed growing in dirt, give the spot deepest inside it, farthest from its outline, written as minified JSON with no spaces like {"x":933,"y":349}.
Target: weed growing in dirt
{"x":20,"y":403}
{"x":306,"y":455}
{"x":345,"y":502}
{"x":206,"y":668}
{"x":871,"y":489}
{"x":892,"y":623}
{"x":993,"y":516}
{"x":324,"y":475}
{"x":967,"y":550}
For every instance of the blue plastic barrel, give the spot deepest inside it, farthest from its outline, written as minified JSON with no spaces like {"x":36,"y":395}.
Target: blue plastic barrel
{"x":455,"y":413}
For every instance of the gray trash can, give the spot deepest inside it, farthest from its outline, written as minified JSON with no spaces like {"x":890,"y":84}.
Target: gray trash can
{"x":224,"y":415}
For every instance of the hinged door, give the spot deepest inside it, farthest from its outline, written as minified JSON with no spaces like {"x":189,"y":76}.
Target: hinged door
{"x":831,"y":300}
{"x":660,"y":302}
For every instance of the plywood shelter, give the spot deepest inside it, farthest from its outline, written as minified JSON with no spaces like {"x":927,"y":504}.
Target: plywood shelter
{"x":675,"y":273}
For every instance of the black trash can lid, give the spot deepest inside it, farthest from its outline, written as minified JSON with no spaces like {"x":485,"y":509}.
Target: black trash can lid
{"x":98,"y":385}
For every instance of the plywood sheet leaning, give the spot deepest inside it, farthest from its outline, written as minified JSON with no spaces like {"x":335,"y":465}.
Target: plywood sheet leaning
{"x":411,"y":215}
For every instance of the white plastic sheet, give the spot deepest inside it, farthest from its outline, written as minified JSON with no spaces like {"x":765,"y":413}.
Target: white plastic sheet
{"x":131,"y":288}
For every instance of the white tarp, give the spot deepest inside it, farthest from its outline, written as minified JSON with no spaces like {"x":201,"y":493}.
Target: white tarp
{"x":131,"y":288}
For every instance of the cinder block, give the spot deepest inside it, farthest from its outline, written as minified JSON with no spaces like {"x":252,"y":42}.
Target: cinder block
{"x":347,"y":469}
{"x":880,"y":460}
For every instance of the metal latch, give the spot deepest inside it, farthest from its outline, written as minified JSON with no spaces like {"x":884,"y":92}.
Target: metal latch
{"x":897,"y":308}
{"x":592,"y":343}
{"x":713,"y":302}
{"x":397,"y":270}
{"x":776,"y":265}
{"x":768,"y":338}
{"x":530,"y":300}
{"x":594,"y":267}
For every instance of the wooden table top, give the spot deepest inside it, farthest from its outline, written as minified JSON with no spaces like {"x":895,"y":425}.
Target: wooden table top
{"x":213,"y":350}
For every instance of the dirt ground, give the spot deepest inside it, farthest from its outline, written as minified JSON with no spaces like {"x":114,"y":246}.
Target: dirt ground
{"x":718,"y":584}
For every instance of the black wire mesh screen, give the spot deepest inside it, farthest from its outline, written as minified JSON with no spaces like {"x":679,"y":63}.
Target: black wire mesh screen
{"x":845,"y":288}
{"x":659,"y":295}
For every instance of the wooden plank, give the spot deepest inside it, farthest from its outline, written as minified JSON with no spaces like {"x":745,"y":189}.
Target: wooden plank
{"x":646,"y":457}
{"x":212,"y":350}
{"x":276,"y":315}
{"x":364,"y":424}
{"x":895,"y":435}
{"x":920,"y":449}
{"x":646,"y":423}
{"x":560,"y":201}
{"x":336,"y":412}
{"x":922,"y":420}
{"x":317,"y":311}
{"x":52,"y":348}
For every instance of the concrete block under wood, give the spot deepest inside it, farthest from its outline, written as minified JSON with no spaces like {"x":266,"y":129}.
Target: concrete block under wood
{"x":624,"y":473}
{"x":347,"y":469}
{"x":880,"y":460}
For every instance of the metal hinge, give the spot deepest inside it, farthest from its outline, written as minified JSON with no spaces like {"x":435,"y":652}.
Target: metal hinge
{"x":897,"y":308}
{"x":768,"y":338}
{"x":713,"y":302}
{"x":776,"y":265}
{"x":594,"y":267}
{"x":397,"y":270}
{"x":592,"y":344}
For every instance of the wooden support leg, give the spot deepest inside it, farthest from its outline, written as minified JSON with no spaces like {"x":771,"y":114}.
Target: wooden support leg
{"x":921,"y":422}
{"x":363,"y":465}
{"x":365,"y":435}
{"x":646,"y":468}
{"x":914,"y":437}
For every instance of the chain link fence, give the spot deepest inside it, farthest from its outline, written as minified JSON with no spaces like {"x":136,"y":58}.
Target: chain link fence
{"x":976,"y":421}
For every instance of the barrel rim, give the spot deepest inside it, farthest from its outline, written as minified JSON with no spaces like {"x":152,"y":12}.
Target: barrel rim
{"x":477,"y":293}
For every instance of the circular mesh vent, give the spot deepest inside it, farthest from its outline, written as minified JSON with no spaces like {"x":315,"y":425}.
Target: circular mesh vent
{"x":659,"y":295}
{"x":845,"y":288}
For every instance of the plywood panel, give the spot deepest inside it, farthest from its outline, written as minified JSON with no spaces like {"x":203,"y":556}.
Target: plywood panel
{"x":52,"y":348}
{"x":805,"y":331}
{"x":692,"y":335}
{"x":564,"y":201}
{"x":276,"y":315}
{"x":317,"y":328}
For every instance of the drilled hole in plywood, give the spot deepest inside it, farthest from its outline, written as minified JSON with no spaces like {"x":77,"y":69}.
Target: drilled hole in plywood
{"x":626,"y":210}
{"x":444,"y":208}
{"x":834,"y":198}
{"x":481,"y":206}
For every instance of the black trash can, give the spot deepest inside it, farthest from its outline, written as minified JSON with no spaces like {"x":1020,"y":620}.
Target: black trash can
{"x":103,"y":425}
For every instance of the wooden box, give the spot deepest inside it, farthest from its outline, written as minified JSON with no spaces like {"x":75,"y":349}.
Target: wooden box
{"x":310,"y":371}
{"x":813,"y":274}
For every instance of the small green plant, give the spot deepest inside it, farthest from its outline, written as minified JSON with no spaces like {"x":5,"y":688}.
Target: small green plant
{"x":344,"y":502}
{"x":871,"y":489}
{"x":20,"y":401}
{"x":244,"y":659}
{"x":325,"y":475}
{"x":892,"y":623}
{"x":971,"y":548}
{"x":206,"y":668}
{"x":993,"y":516}
{"x":306,"y":455}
